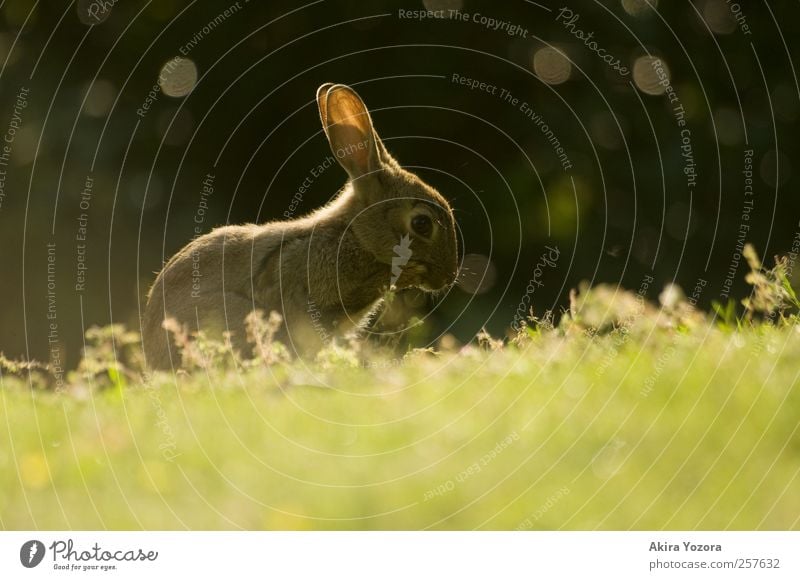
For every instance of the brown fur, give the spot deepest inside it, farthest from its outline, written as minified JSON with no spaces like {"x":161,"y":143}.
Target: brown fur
{"x":322,"y":272}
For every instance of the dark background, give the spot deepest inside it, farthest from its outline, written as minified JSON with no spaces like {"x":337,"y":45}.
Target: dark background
{"x":631,"y":213}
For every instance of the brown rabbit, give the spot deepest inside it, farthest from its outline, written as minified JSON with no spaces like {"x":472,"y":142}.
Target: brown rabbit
{"x":323,"y":272}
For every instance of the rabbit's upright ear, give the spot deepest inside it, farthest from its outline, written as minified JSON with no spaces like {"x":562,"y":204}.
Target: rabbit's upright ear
{"x":348,"y":127}
{"x":322,"y":104}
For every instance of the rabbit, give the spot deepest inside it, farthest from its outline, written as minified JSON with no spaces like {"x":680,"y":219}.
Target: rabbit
{"x":326,"y":272}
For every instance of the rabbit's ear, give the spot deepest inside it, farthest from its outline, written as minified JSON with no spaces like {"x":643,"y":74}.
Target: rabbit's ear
{"x":322,"y":104}
{"x":350,"y":132}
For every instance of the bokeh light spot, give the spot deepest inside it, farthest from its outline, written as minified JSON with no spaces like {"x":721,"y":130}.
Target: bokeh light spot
{"x":639,"y":8}
{"x":19,"y":12}
{"x":646,"y":77}
{"x":100,"y":98}
{"x":718,"y":16}
{"x":25,"y":143}
{"x":178,"y":77}
{"x":728,"y":122}
{"x":478,"y":274}
{"x":551,"y":65}
{"x":8,"y":56}
{"x":93,"y":12}
{"x":605,"y":131}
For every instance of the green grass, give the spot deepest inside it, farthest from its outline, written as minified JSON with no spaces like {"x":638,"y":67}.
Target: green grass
{"x":652,"y":428}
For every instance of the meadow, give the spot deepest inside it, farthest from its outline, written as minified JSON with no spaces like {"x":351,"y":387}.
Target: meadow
{"x":622,"y":415}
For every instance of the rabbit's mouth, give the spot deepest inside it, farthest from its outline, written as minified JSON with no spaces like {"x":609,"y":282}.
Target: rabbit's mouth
{"x":424,"y":275}
{"x":436,"y":278}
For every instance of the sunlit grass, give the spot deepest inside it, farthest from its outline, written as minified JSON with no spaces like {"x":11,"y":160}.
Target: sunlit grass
{"x":624,"y":416}
{"x":696,"y":430}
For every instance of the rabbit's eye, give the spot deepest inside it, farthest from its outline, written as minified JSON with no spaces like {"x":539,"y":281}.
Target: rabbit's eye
{"x":422,"y":225}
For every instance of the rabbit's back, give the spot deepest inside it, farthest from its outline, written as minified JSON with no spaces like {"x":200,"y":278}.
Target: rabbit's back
{"x":208,"y":285}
